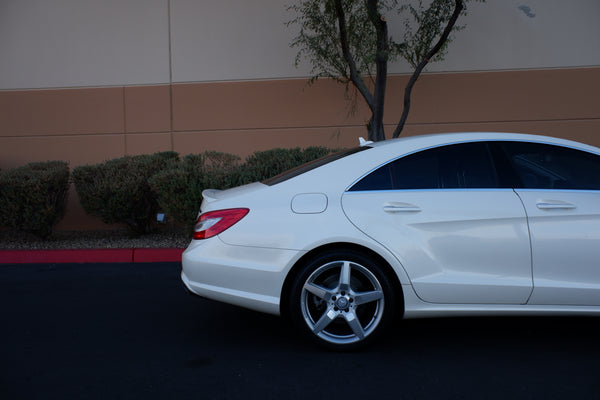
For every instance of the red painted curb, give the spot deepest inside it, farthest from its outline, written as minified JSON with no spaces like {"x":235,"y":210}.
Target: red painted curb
{"x":157,"y":255}
{"x":81,"y":256}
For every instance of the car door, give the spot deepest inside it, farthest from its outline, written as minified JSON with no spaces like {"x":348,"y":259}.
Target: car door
{"x":460,"y":237}
{"x":561,"y":194}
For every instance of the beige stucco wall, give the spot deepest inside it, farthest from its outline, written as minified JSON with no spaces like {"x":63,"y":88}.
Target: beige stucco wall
{"x":85,"y":81}
{"x":89,"y":43}
{"x":90,"y":125}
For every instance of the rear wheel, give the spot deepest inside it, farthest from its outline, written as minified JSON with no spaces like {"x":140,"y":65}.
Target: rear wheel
{"x":342,"y":299}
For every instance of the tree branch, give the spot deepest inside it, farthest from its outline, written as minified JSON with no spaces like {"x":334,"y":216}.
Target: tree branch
{"x":354,"y":76}
{"x":458,"y":7}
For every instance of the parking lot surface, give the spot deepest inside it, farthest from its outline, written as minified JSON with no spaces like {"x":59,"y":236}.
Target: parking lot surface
{"x":129,"y":331}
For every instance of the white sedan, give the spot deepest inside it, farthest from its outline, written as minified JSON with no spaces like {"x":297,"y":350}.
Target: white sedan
{"x":426,"y":226}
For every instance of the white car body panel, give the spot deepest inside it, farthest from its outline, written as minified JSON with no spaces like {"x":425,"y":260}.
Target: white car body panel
{"x":414,"y":307}
{"x":455,"y":258}
{"x":565,"y":237}
{"x":246,"y":276}
{"x":246,"y":269}
{"x":457,"y":246}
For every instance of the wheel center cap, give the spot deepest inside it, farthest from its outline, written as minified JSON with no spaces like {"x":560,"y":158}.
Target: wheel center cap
{"x":342,"y":302}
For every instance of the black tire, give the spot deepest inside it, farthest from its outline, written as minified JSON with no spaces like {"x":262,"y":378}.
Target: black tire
{"x":342,"y":299}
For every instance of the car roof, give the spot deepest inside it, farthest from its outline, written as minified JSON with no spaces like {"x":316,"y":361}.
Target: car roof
{"x":339,"y":174}
{"x":437,"y":139}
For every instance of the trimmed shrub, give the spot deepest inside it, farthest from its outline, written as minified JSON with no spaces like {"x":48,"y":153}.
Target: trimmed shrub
{"x":180,"y":186}
{"x":265,"y":164}
{"x":33,"y":198}
{"x":118,"y":191}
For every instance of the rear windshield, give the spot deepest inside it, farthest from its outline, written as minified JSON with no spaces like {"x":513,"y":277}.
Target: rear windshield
{"x":301,"y":169}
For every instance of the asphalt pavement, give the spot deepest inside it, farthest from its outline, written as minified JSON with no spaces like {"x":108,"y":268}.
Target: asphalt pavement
{"x":129,"y":331}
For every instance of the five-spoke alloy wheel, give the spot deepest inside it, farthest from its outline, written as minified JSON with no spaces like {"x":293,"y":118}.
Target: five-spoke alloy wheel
{"x":342,"y":299}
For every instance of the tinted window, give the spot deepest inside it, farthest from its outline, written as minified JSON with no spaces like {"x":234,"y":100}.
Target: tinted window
{"x":543,"y":166}
{"x":465,"y":165}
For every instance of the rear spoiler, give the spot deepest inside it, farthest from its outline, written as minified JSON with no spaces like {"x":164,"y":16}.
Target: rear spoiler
{"x":362,"y":142}
{"x":210,"y":194}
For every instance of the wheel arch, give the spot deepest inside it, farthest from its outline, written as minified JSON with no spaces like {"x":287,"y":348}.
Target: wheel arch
{"x":340,"y":246}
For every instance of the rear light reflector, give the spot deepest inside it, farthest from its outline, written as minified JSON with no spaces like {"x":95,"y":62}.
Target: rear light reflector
{"x":214,"y":222}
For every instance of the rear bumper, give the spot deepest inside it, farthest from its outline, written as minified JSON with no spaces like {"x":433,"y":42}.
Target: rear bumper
{"x":250,"y":277}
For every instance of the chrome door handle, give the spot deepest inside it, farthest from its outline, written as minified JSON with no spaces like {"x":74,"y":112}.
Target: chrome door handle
{"x":555,"y":206}
{"x":394,"y":208}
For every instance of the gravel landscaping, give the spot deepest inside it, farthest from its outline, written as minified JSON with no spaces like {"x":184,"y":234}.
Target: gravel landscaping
{"x":114,"y":239}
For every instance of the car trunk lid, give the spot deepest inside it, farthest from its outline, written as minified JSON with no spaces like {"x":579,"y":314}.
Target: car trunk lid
{"x":212,"y":195}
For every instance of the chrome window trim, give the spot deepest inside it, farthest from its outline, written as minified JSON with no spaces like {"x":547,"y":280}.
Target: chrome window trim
{"x":434,"y":190}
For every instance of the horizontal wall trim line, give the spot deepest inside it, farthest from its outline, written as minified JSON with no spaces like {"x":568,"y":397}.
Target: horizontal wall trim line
{"x":133,"y":85}
{"x":294,"y":128}
{"x":403,"y":74}
{"x":504,"y":121}
{"x":74,"y":135}
{"x":294,"y":78}
{"x":315,"y":127}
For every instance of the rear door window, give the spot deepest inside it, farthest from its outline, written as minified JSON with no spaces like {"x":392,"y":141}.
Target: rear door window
{"x":457,"y":166}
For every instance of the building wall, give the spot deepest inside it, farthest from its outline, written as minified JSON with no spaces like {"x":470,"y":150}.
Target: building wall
{"x":89,"y":43}
{"x":85,"y":81}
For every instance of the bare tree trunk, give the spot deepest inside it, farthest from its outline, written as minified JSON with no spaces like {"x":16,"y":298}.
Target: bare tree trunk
{"x":374,"y":100}
{"x":377,"y":131}
{"x":413,"y":79}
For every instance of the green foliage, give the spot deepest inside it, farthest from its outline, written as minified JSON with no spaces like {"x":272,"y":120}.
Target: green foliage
{"x":118,"y":191}
{"x":33,"y":197}
{"x":349,"y":41}
{"x":180,"y":186}
{"x":423,"y":28}
{"x":318,"y":40}
{"x":265,"y":164}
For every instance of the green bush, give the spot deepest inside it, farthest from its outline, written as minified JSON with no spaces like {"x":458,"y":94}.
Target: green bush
{"x":118,"y":191}
{"x":266,"y":164}
{"x":180,"y":186}
{"x":33,"y":197}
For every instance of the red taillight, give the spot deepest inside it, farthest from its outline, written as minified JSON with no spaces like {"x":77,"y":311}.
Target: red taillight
{"x":214,"y":222}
